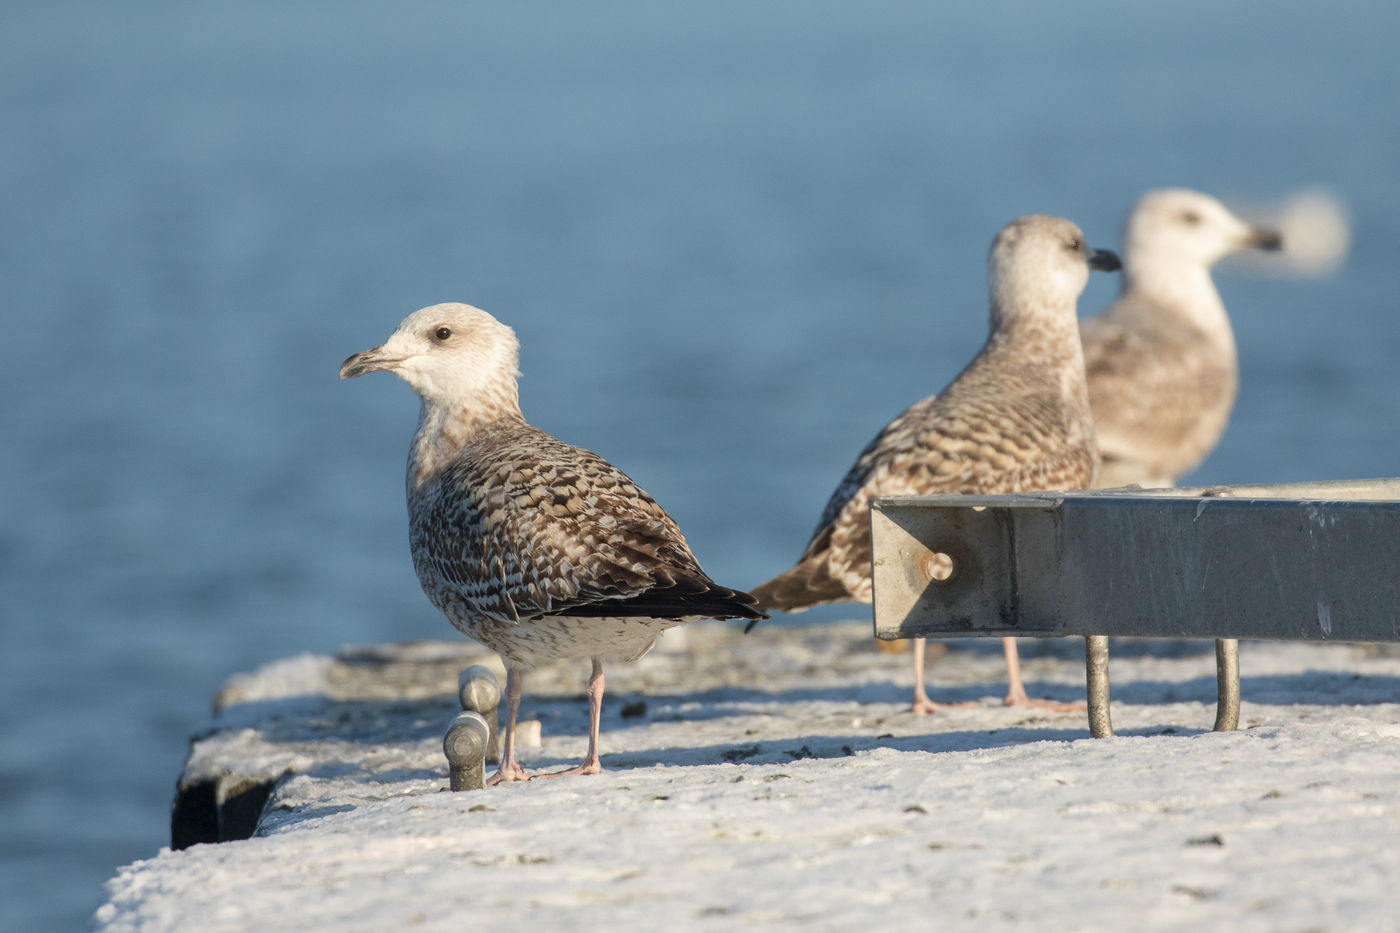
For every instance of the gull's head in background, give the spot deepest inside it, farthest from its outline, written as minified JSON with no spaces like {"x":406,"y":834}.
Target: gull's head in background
{"x":1040,"y":263}
{"x":452,"y":354}
{"x":1178,"y":228}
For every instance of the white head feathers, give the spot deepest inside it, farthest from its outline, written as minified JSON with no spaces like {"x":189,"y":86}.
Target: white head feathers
{"x":1172,"y":228}
{"x":452,"y":354}
{"x":1039,"y":264}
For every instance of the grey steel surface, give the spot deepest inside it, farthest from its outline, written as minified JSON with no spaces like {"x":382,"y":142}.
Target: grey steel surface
{"x":1315,"y":561}
{"x":1311,"y":561}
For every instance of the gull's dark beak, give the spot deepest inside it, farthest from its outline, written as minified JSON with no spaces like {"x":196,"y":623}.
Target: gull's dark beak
{"x":1103,"y":260}
{"x":367,"y":362}
{"x":1260,"y":238}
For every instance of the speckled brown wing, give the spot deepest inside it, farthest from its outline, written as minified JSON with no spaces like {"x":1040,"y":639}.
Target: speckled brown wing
{"x":809,"y":583}
{"x":522,"y":525}
{"x":981,"y":449}
{"x":898,"y":435}
{"x":1161,"y":396}
{"x":969,"y":440}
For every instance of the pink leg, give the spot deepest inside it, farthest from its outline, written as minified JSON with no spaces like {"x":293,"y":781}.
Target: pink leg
{"x":591,"y":763}
{"x":510,"y":769}
{"x":1016,"y":690}
{"x":922,"y":704}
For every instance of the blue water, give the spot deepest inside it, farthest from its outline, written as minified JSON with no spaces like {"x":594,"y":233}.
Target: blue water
{"x":734,"y":240}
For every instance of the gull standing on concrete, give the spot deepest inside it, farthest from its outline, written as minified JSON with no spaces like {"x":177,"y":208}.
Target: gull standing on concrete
{"x":537,"y":549}
{"x":1161,"y":360}
{"x":1016,"y":419}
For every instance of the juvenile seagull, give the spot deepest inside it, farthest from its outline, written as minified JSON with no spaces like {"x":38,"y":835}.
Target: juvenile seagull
{"x":1161,"y":360}
{"x":1016,"y":419}
{"x":537,"y":549}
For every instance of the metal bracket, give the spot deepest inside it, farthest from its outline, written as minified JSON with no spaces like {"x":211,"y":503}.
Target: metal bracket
{"x":1310,"y":561}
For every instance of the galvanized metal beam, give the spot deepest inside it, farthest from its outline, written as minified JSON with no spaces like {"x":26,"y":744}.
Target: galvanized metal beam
{"x":1311,"y":561}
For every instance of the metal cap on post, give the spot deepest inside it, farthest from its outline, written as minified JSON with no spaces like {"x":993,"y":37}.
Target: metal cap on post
{"x":465,"y":748}
{"x":480,"y":692}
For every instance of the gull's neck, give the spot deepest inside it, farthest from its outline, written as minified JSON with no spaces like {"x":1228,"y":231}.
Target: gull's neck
{"x":1039,"y":346}
{"x":444,"y":431}
{"x":1040,"y":330}
{"x":1180,"y":288}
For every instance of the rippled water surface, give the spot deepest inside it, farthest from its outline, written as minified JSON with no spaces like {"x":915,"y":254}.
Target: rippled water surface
{"x":734,"y":240}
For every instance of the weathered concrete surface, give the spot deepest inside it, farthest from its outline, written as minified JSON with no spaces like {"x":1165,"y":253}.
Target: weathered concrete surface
{"x":294,"y":714}
{"x":779,"y":779}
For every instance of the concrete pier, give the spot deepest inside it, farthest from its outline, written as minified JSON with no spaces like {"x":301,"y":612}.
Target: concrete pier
{"x":778,"y":779}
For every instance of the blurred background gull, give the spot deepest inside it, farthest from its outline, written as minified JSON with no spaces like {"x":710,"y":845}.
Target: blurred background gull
{"x":734,"y":239}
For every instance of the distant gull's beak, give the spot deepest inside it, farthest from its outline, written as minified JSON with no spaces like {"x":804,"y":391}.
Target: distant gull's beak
{"x":1103,"y":260}
{"x":1260,"y":238}
{"x":367,"y":362}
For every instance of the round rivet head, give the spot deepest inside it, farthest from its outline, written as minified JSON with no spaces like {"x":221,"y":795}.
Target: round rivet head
{"x":936,"y":566}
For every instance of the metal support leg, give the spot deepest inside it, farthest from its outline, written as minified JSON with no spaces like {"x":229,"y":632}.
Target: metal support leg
{"x":1227,"y":684}
{"x":1096,"y":677}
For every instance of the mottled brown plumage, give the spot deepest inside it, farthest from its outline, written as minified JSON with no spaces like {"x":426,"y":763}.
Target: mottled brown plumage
{"x":1016,"y":419}
{"x":521,"y":527}
{"x":536,"y":548}
{"x":1002,"y":426}
{"x":1160,"y":361}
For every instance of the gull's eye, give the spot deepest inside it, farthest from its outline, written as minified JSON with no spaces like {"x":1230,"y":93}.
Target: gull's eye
{"x":1074,"y":244}
{"x":1191,"y":218}
{"x":442,"y":333}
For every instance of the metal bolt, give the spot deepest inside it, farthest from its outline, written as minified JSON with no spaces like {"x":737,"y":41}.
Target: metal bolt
{"x":936,"y":566}
{"x":479,"y":691}
{"x":465,"y":748}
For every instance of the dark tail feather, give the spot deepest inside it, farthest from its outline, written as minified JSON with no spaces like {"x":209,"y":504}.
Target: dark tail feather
{"x":802,"y":587}
{"x":716,"y":602}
